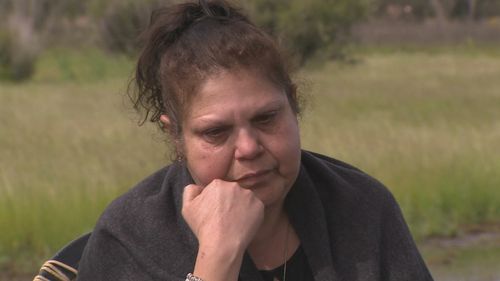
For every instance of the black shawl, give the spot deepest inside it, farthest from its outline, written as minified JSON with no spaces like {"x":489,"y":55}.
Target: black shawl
{"x":349,"y":225}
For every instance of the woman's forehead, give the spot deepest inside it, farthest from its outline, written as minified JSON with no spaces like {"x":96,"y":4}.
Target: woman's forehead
{"x":230,"y":91}
{"x":227,"y":82}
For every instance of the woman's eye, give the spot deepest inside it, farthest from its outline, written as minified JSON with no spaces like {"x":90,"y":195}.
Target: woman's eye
{"x":214,"y":134}
{"x":266,"y":118}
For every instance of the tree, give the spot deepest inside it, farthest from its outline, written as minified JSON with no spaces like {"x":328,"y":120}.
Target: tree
{"x":439,"y":11}
{"x":19,"y":44}
{"x":122,"y":21}
{"x":309,"y":27}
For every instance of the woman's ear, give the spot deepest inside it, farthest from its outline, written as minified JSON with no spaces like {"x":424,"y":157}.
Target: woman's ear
{"x":167,"y":127}
{"x":166,"y":122}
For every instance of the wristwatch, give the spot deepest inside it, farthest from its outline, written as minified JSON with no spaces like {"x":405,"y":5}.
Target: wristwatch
{"x":191,"y":277}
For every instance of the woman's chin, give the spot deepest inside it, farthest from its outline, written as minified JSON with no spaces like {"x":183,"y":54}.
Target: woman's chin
{"x":270,"y":196}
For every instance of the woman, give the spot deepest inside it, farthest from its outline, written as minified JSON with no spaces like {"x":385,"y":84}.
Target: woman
{"x":242,"y":202}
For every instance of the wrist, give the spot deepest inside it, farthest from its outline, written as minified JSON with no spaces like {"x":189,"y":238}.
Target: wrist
{"x":218,"y":263}
{"x":222,"y":246}
{"x":220,"y":252}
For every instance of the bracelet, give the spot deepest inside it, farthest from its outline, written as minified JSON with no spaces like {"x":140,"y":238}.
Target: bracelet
{"x":191,"y":277}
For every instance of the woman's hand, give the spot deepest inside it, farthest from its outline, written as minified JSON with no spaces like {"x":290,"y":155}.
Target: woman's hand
{"x":222,"y":212}
{"x":224,"y":217}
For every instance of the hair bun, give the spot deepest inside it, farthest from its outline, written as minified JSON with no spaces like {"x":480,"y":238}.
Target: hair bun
{"x":193,"y":12}
{"x":215,"y":9}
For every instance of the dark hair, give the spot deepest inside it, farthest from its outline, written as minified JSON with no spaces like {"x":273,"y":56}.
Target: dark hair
{"x":186,"y":43}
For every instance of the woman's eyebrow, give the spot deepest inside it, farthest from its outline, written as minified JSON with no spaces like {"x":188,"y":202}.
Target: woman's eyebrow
{"x":210,"y":122}
{"x":272,"y":106}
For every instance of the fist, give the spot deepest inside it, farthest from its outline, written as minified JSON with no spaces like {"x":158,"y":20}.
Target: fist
{"x":222,"y":214}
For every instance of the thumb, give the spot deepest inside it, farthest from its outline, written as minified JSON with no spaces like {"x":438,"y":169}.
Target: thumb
{"x":190,"y":192}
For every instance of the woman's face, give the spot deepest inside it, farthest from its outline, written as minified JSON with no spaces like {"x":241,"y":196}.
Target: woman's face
{"x":240,"y":127}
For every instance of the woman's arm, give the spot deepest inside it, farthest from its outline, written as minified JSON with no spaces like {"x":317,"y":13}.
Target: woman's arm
{"x":224,"y":217}
{"x":105,"y":258}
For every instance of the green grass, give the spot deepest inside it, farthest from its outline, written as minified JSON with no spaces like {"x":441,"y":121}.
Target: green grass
{"x":68,"y":145}
{"x":66,"y":150}
{"x":80,"y":66}
{"x":427,"y":124}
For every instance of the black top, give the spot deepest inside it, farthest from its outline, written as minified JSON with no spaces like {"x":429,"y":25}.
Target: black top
{"x":297,"y":269}
{"x":349,"y":226}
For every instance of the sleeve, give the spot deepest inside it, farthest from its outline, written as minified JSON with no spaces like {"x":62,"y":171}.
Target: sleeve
{"x":400,"y":258}
{"x":106,"y":258}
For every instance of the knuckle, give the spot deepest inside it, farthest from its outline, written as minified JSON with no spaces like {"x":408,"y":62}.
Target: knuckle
{"x":217,"y":182}
{"x":235,"y":185}
{"x":257,"y":202}
{"x":184,"y":211}
{"x":247,"y":192}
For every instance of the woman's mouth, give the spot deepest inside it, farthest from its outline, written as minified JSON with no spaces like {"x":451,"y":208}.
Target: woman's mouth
{"x":251,"y":179}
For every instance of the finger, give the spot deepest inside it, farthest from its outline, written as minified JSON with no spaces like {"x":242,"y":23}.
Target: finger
{"x":190,"y":192}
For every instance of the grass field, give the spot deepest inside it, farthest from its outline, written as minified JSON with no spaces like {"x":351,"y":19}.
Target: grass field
{"x":427,"y":124}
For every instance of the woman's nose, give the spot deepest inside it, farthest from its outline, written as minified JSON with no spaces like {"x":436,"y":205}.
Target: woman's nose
{"x":247,"y":145}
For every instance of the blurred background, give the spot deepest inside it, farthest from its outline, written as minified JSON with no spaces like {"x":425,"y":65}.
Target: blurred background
{"x":406,"y":90}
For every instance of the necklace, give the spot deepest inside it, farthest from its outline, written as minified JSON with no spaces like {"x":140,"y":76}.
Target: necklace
{"x":286,"y":251}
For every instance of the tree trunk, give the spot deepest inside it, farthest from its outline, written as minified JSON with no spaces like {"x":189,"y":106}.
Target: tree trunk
{"x":471,"y":9}
{"x":21,"y":24}
{"x":439,"y":12}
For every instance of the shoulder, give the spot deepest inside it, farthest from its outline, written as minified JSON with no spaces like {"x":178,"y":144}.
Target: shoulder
{"x":364,"y":222}
{"x":353,"y":202}
{"x":147,"y":188}
{"x":157,"y":196}
{"x":344,"y":184}
{"x":331,"y":173}
{"x":139,"y":227}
